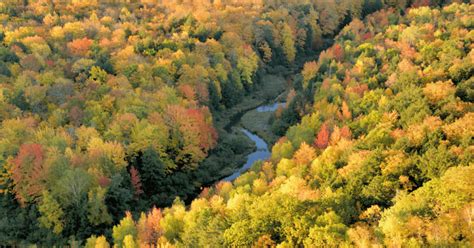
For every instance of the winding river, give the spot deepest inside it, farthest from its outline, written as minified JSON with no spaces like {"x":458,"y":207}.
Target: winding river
{"x":262,"y":152}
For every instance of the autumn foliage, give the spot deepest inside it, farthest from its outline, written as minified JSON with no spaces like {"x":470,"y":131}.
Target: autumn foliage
{"x":322,"y":138}
{"x":110,"y":108}
{"x":28,"y":172}
{"x":136,"y":183}
{"x":149,"y":229}
{"x":197,"y":132}
{"x":80,"y":47}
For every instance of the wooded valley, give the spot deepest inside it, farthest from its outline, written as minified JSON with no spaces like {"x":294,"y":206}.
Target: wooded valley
{"x":119,"y":120}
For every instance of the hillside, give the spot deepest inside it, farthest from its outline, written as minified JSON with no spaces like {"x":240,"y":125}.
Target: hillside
{"x":119,"y":120}
{"x":381,"y":157}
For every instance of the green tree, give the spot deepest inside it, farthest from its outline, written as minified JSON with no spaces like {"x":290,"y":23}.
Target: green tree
{"x":97,"y":210}
{"x":97,"y":242}
{"x":328,"y":232}
{"x":288,"y":43}
{"x":247,"y":65}
{"x":51,"y":213}
{"x":124,"y":231}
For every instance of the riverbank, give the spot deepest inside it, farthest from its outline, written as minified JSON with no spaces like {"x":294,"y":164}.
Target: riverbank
{"x":258,"y":122}
{"x":261,"y":152}
{"x":271,"y":87}
{"x":234,"y":146}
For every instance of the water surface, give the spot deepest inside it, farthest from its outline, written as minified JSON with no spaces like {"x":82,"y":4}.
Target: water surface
{"x":262,"y":153}
{"x":271,"y":107}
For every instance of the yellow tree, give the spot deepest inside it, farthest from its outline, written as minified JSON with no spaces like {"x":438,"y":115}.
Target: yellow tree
{"x":305,"y":154}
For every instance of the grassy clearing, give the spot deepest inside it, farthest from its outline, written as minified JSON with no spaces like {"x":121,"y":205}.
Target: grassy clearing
{"x":257,"y":122}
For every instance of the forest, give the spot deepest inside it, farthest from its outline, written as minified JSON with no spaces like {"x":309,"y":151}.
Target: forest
{"x":116,"y":116}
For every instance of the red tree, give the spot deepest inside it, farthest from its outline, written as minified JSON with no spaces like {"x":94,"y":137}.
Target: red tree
{"x":346,"y":132}
{"x":338,"y":52}
{"x":346,"y":112}
{"x":104,"y":181}
{"x":187,"y":91}
{"x":136,"y":182}
{"x":80,"y":47}
{"x":359,"y":89}
{"x":28,"y":173}
{"x":149,"y":229}
{"x":196,"y":131}
{"x":322,"y":139}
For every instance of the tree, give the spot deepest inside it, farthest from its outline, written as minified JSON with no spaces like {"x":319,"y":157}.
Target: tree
{"x":119,"y":196}
{"x":304,"y":155}
{"x":28,"y":172}
{"x":329,"y":17}
{"x":73,"y":186}
{"x":51,"y":213}
{"x":232,"y":90}
{"x":104,"y":152}
{"x":136,"y":182}
{"x":98,"y":74}
{"x":247,"y":64}
{"x":97,"y":210}
{"x":265,"y":241}
{"x":149,"y":228}
{"x":288,"y":43}
{"x":152,"y":133}
{"x":346,"y":112}
{"x":97,"y":242}
{"x":346,"y":133}
{"x":129,"y":242}
{"x":436,"y":161}
{"x":328,"y":232}
{"x":462,"y":128}
{"x":282,"y":149}
{"x":125,"y":228}
{"x":438,"y":91}
{"x":80,"y":47}
{"x":4,"y":69}
{"x":266,"y":50}
{"x":322,"y":139}
{"x":193,"y":130}
{"x":338,"y":52}
{"x":7,"y":56}
{"x":309,"y":72}
{"x":152,"y":172}
{"x":442,"y":197}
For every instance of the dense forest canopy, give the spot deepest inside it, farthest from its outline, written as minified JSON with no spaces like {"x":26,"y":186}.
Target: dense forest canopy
{"x":107,"y":117}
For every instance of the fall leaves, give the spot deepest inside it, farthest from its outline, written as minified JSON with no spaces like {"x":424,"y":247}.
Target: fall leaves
{"x":28,"y":172}
{"x":195,"y":133}
{"x":107,"y":109}
{"x":80,"y":47}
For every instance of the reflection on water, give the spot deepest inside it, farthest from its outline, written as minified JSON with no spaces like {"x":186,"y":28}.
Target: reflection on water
{"x":270,"y":108}
{"x":262,"y":153}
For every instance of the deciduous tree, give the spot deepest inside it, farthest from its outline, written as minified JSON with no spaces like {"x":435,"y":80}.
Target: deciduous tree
{"x":136,"y":182}
{"x":51,"y":213}
{"x":322,"y":139}
{"x":28,"y":172}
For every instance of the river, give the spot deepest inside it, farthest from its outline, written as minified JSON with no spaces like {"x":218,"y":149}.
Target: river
{"x":262,"y":152}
